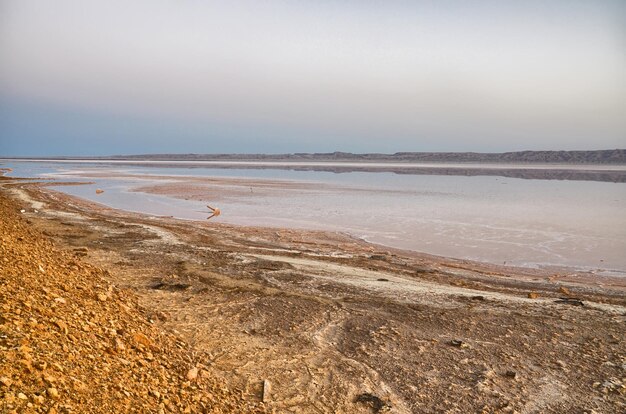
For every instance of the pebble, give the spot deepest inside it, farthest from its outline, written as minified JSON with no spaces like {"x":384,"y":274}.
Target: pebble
{"x":459,"y":344}
{"x":62,"y":326}
{"x":192,"y":374}
{"x":53,"y":393}
{"x":119,"y":344}
{"x":40,"y":365}
{"x":6,"y":381}
{"x":142,"y":339}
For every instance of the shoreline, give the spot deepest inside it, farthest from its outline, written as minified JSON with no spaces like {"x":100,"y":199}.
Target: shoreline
{"x":326,"y":318}
{"x":551,"y":272}
{"x":216,"y":189}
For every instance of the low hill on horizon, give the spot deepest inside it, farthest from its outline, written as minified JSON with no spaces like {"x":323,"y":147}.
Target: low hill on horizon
{"x":613,"y":156}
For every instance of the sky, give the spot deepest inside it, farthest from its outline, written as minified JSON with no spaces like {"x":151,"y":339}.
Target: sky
{"x":188,"y":76}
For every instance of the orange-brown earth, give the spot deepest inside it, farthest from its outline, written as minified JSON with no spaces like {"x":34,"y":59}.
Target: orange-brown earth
{"x":72,"y":342}
{"x":312,"y":321}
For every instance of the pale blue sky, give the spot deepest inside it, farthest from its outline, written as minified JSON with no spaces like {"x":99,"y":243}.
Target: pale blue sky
{"x":119,"y":77}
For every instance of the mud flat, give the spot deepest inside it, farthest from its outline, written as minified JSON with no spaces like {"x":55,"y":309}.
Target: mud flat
{"x":320,"y":322}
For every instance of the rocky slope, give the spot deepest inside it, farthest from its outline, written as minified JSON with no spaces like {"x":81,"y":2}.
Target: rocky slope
{"x":72,"y":343}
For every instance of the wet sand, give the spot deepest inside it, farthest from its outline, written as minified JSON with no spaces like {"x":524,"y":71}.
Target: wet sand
{"x":531,"y":224}
{"x":339,"y":325}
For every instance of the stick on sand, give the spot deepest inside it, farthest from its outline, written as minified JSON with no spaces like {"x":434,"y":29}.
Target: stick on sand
{"x":216,"y":212}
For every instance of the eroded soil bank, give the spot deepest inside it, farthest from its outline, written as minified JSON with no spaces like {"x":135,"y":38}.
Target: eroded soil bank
{"x":332,"y":324}
{"x":72,"y":342}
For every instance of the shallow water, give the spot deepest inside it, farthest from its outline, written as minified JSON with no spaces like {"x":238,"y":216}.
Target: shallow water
{"x":515,"y":221}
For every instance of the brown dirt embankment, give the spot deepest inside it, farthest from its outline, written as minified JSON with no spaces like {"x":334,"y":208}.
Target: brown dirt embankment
{"x":70,"y":342}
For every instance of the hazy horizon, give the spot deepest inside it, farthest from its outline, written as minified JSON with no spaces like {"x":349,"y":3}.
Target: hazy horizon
{"x":137,"y":77}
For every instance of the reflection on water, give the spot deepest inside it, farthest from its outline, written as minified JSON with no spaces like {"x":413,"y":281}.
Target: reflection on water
{"x":489,"y":218}
{"x":532,"y":171}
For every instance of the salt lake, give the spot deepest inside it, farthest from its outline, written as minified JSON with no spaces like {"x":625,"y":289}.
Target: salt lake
{"x":492,"y":218}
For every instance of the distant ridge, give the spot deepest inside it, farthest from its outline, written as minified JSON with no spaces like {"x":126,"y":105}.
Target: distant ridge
{"x":614,"y":156}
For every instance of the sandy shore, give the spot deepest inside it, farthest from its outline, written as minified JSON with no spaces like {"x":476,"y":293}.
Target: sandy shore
{"x":338,"y":325}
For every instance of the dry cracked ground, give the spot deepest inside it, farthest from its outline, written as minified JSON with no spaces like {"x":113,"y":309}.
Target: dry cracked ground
{"x":316,"y":322}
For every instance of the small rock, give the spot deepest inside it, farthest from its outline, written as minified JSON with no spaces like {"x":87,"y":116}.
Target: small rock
{"x":53,"y":393}
{"x":141,"y":339}
{"x":376,"y":403}
{"x":613,"y":385}
{"x":40,"y":365}
{"x":22,"y":396}
{"x":570,"y":301}
{"x":458,"y":343}
{"x":119,"y":345}
{"x":5,"y":381}
{"x":155,"y":393}
{"x":564,"y":290}
{"x":62,"y":326}
{"x":510,"y":374}
{"x":79,"y":386}
{"x":192,"y":374}
{"x":266,"y":391}
{"x":533,"y":295}
{"x":102,"y":297}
